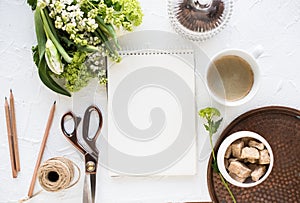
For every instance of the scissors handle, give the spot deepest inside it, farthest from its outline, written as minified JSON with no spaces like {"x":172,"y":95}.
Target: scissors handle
{"x":91,"y":141}
{"x":72,"y":137}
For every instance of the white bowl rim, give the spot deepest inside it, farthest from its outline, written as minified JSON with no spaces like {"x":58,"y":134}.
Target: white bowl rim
{"x":223,"y":147}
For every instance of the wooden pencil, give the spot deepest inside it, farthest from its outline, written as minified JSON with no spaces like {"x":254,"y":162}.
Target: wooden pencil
{"x":42,"y":148}
{"x":14,"y":130}
{"x":10,"y":139}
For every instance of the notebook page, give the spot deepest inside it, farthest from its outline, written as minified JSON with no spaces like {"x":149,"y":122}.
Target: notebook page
{"x":151,"y":114}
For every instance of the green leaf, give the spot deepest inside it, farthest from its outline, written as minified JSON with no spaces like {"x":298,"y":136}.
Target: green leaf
{"x":36,"y":57}
{"x":117,"y":6}
{"x":40,"y":33}
{"x":95,"y":1}
{"x":68,"y":43}
{"x":216,"y":125}
{"x":206,"y":127}
{"x":215,"y":167}
{"x":108,"y":3}
{"x":46,"y":78}
{"x":32,"y":3}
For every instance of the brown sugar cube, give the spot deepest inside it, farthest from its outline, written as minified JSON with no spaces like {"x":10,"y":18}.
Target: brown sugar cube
{"x":253,"y":161}
{"x":257,"y":145}
{"x":239,"y":169}
{"x":250,"y":153}
{"x":236,"y":148}
{"x":228,"y":152}
{"x":246,"y":140}
{"x":258,"y":172}
{"x":237,"y":178}
{"x":264,"y":157}
{"x":226,"y":163}
{"x":252,"y":166}
{"x":231,"y":160}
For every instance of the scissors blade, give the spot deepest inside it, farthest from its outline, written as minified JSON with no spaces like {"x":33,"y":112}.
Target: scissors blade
{"x":93,"y":186}
{"x":89,"y":188}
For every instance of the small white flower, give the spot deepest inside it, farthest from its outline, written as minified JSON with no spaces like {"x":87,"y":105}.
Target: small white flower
{"x":42,"y":3}
{"x":51,"y":5}
{"x":70,"y":28}
{"x":58,"y":5}
{"x":58,"y":24}
{"x":91,"y":20}
{"x":72,"y":36}
{"x":65,"y":16}
{"x":67,"y":2}
{"x":73,"y":23}
{"x":73,"y":7}
{"x":52,"y":14}
{"x":58,"y":18}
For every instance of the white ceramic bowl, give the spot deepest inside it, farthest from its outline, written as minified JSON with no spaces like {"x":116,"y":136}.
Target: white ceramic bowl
{"x":227,"y":142}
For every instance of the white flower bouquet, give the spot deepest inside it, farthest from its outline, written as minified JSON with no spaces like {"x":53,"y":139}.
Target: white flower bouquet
{"x":69,"y":31}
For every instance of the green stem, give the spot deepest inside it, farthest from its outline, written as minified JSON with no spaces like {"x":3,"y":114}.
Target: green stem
{"x":103,"y":26}
{"x":212,"y":146}
{"x":91,"y":4}
{"x":105,"y":41}
{"x":215,"y":160}
{"x":108,"y":29}
{"x":59,"y":47}
{"x":114,"y":36}
{"x":88,"y":48}
{"x":227,"y":187}
{"x":52,"y":28}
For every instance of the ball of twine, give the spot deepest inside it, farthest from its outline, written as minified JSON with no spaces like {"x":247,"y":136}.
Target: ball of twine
{"x":57,"y":174}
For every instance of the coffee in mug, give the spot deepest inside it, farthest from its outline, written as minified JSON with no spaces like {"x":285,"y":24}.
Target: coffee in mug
{"x":231,"y":77}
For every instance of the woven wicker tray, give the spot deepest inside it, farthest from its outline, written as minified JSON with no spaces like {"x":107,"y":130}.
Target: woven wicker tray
{"x":280,"y":126}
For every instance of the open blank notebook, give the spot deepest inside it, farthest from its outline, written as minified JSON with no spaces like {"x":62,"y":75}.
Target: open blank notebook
{"x":151,"y":114}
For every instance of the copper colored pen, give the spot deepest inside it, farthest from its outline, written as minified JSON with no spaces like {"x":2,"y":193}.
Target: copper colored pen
{"x":10,"y":139}
{"x":14,"y":130}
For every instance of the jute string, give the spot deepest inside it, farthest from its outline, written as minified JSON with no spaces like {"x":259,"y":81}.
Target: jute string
{"x":56,"y":174}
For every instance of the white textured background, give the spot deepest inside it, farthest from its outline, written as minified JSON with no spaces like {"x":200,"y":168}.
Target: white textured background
{"x":273,"y":25}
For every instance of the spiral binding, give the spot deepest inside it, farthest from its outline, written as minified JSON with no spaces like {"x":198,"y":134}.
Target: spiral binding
{"x":155,"y":52}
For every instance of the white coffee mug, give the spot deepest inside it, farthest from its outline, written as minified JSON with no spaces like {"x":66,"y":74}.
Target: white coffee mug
{"x":215,"y":84}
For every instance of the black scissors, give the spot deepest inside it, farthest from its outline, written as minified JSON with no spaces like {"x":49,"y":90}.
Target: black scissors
{"x":89,"y":150}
